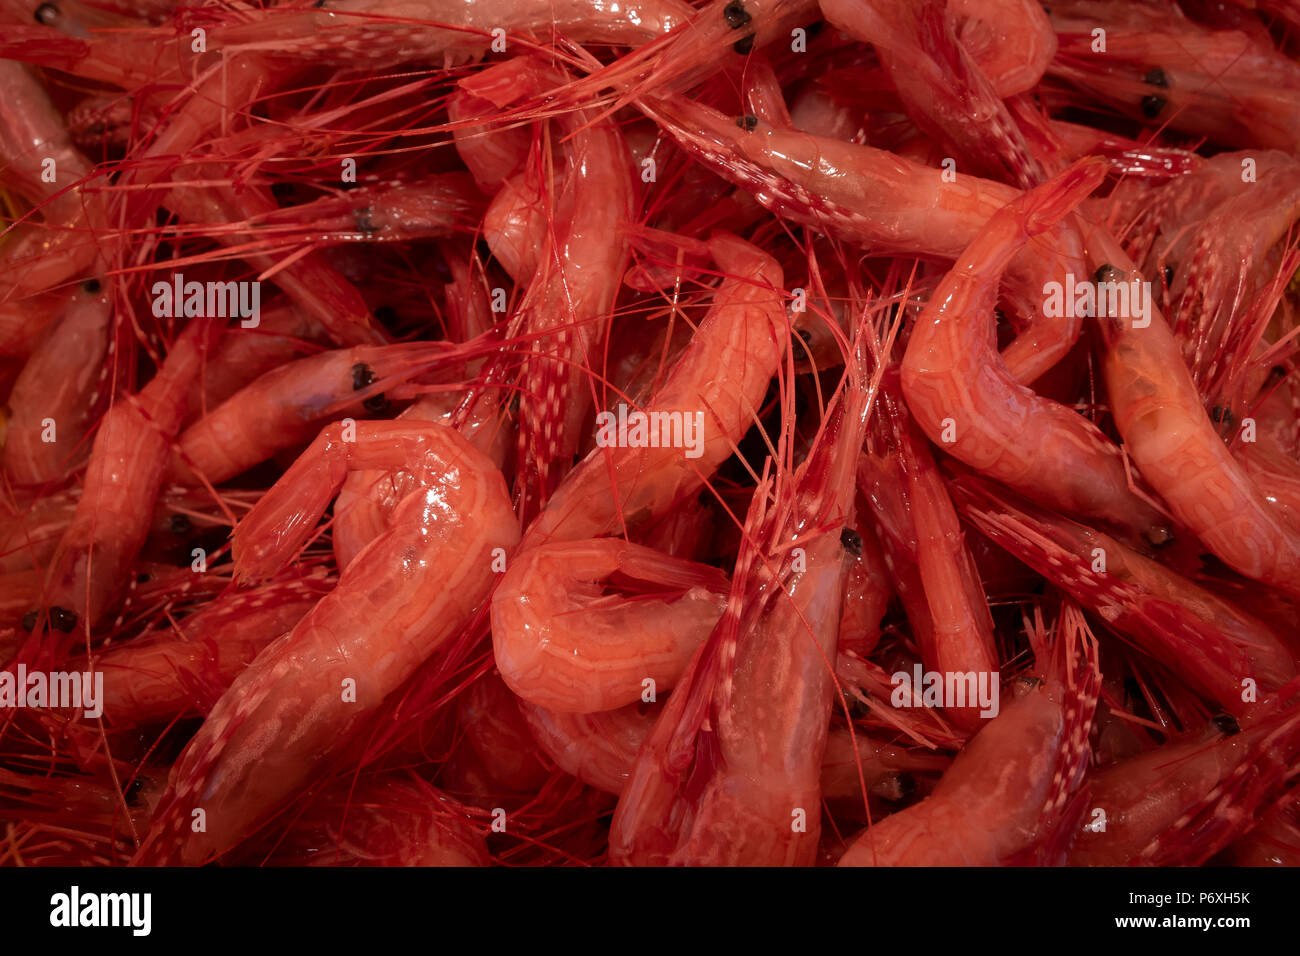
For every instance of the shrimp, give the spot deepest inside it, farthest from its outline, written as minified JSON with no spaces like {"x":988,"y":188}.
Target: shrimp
{"x":1012,"y":794}
{"x":1171,"y":439}
{"x":867,"y":592}
{"x":742,"y":337}
{"x":413,"y":589}
{"x":1181,"y":803}
{"x":496,"y":731}
{"x":563,"y":641}
{"x":598,"y":748}
{"x":1012,"y":41}
{"x":950,"y":614}
{"x":160,"y":676}
{"x":1204,"y":639}
{"x":962,"y":397}
{"x":58,"y":391}
{"x":731,"y":773}
{"x":890,"y":204}
{"x":942,"y":87}
{"x":286,"y":406}
{"x":128,"y":462}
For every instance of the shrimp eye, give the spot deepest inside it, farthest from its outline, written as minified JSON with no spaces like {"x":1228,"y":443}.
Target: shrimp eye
{"x":1159,"y":537}
{"x":744,"y":44}
{"x":142,"y":579}
{"x":362,"y":375}
{"x":180,"y":525}
{"x":1227,"y":724}
{"x":63,"y":619}
{"x":91,"y":286}
{"x":1152,"y":105}
{"x":1276,"y":374}
{"x":29,"y":621}
{"x":852,"y":541}
{"x":1107,"y":273}
{"x":1221,"y":415}
{"x":1169,"y":275}
{"x":47,"y":13}
{"x":1157,"y":77}
{"x":375,"y":404}
{"x":748,"y":122}
{"x":736,"y":15}
{"x":906,"y":786}
{"x":318,"y":4}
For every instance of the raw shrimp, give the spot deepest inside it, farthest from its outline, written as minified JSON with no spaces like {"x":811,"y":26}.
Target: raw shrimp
{"x":888,"y":203}
{"x":731,"y":772}
{"x":743,"y":336}
{"x":412,"y":590}
{"x":598,"y":748}
{"x":962,"y":397}
{"x":128,"y":462}
{"x":942,"y":87}
{"x":1205,"y":640}
{"x":286,"y":406}
{"x":159,"y":677}
{"x":563,"y":641}
{"x":1012,"y":794}
{"x":1183,"y":802}
{"x":1011,"y":40}
{"x":498,"y":734}
{"x":58,"y":391}
{"x":1171,"y":439}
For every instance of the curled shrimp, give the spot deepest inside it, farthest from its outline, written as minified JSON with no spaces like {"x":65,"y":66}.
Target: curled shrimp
{"x":1169,"y":435}
{"x":564,"y":643}
{"x":962,"y":397}
{"x":413,"y":589}
{"x":1012,"y":794}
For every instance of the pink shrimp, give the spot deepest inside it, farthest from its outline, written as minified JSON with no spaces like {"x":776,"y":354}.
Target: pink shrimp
{"x":744,"y":336}
{"x":1012,"y":794}
{"x":160,"y":676}
{"x":1181,"y":803}
{"x":54,"y":400}
{"x":288,"y":404}
{"x":1171,"y":439}
{"x":1011,"y":40}
{"x":731,"y":772}
{"x":497,"y":732}
{"x":1204,"y":639}
{"x":563,"y":641}
{"x":867,"y":592}
{"x":128,"y":463}
{"x":598,"y":748}
{"x":962,"y":397}
{"x":890,"y":204}
{"x":942,"y":87}
{"x":381,"y":622}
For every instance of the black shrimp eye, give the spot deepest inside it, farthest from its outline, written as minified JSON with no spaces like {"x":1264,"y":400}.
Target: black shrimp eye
{"x":1221,"y":415}
{"x":46,"y":14}
{"x":180,"y":525}
{"x":362,"y":375}
{"x":29,"y":621}
{"x":1157,"y":77}
{"x":736,"y":15}
{"x":1107,"y":273}
{"x":1169,"y":275}
{"x":363,"y":219}
{"x":63,"y":619}
{"x":748,"y":122}
{"x":1227,"y":724}
{"x":744,"y":45}
{"x":375,"y":404}
{"x":1152,"y":105}
{"x":852,"y":541}
{"x":1276,"y":374}
{"x":91,"y":286}
{"x":906,"y":786}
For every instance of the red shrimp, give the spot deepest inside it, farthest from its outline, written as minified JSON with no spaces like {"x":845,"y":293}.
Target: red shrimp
{"x":744,"y":335}
{"x":1171,"y":439}
{"x":942,"y":87}
{"x":1011,"y":40}
{"x":598,"y":748}
{"x":962,"y":397}
{"x":890,"y":204}
{"x":53,"y":402}
{"x":381,"y":622}
{"x":1012,"y":794}
{"x":498,"y":734}
{"x":731,"y":772}
{"x":161,"y":676}
{"x":867,"y":592}
{"x":582,"y":626}
{"x":1181,"y":803}
{"x":128,"y":462}
{"x":1204,"y":639}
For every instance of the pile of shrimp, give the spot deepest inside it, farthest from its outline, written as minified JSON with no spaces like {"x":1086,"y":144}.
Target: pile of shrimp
{"x":692,"y":433}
